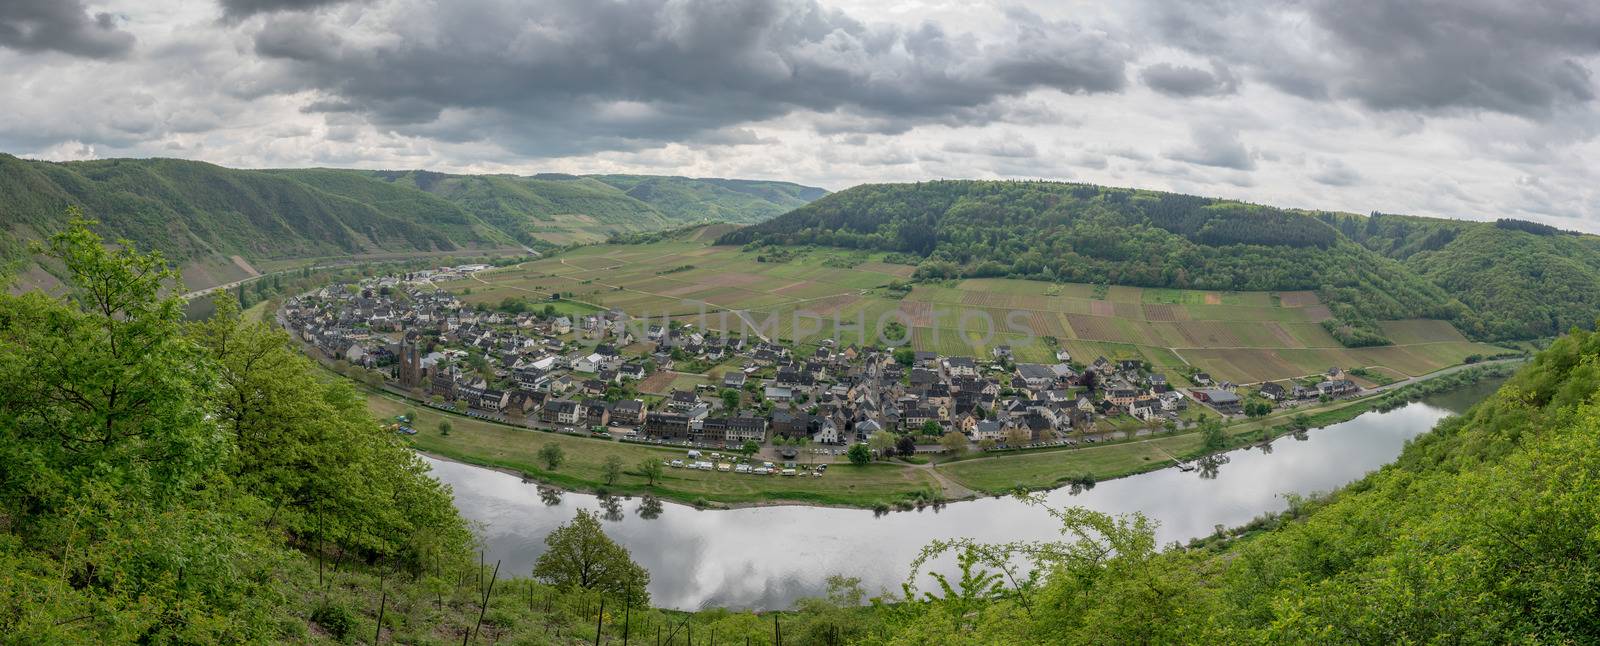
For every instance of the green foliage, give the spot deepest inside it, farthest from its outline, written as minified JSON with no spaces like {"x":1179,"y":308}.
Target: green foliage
{"x":859,"y":454}
{"x":651,"y":470}
{"x":192,"y":211}
{"x":159,"y":476}
{"x":552,"y":455}
{"x":335,"y":618}
{"x":611,"y":469}
{"x":1516,"y":280}
{"x":580,"y":555}
{"x":1212,"y":437}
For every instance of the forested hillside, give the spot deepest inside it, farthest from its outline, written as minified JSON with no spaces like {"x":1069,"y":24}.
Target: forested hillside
{"x":1495,"y":281}
{"x":557,"y":208}
{"x":201,"y":216}
{"x":1082,"y":233}
{"x":213,"y":222}
{"x":1518,"y":279}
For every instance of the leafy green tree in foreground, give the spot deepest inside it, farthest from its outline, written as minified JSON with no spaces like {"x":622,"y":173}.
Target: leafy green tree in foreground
{"x":580,"y":555}
{"x":157,"y":474}
{"x":859,"y":454}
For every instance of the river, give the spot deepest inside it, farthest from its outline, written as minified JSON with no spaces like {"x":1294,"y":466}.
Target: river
{"x":766,"y":557}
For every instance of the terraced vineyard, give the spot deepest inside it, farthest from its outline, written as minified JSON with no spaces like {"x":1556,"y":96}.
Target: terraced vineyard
{"x":1243,"y":337}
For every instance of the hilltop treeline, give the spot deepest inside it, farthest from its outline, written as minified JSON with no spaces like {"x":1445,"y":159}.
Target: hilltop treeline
{"x":1496,"y":281}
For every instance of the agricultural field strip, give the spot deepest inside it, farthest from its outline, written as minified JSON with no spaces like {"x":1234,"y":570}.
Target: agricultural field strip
{"x":1138,"y":327}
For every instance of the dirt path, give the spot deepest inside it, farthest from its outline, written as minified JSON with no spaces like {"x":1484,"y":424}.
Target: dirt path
{"x":952,"y":490}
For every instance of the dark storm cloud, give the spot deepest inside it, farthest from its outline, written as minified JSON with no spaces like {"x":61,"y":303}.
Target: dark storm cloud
{"x":577,"y":75}
{"x":63,"y":26}
{"x":1510,"y":56}
{"x":246,"y":8}
{"x":1185,"y":81}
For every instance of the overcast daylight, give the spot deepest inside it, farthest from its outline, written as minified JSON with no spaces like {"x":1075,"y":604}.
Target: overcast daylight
{"x":799,"y":322}
{"x":1476,"y":109}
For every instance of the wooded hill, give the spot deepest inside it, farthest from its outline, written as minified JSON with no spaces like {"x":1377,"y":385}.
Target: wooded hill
{"x":1366,"y":268}
{"x":214,"y":222}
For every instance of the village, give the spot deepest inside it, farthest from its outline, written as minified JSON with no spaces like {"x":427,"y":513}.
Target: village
{"x":558,"y":366}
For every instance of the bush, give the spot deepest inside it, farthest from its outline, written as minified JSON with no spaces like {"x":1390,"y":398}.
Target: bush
{"x":334,"y":618}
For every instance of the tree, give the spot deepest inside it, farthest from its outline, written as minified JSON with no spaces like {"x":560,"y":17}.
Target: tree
{"x":612,"y":469}
{"x":651,"y":470}
{"x":1300,"y":421}
{"x":410,"y":415}
{"x":580,"y":555}
{"x":859,"y":454}
{"x":1211,"y":435}
{"x":932,"y":427}
{"x":905,"y":356}
{"x":444,"y":427}
{"x":730,"y":399}
{"x":906,"y":445}
{"x":954,"y":442}
{"x":751,"y":447}
{"x":552,"y":455}
{"x":986,"y":444}
{"x":882,"y":442}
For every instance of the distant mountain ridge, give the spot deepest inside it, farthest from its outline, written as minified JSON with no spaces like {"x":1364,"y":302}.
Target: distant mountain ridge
{"x":215,"y":222}
{"x":1494,"y":281}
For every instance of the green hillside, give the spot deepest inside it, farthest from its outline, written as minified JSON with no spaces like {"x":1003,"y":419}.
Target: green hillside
{"x":1082,"y":233}
{"x":215,"y":222}
{"x":561,"y":209}
{"x":1518,"y":279}
{"x":1494,"y":281}
{"x":201,"y":215}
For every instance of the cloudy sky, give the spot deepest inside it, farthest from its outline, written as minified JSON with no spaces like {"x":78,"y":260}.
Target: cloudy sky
{"x":1460,"y":108}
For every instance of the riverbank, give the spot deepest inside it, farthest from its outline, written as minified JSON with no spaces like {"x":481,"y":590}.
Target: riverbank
{"x":515,"y":450}
{"x":1045,"y":469}
{"x":881,"y":485}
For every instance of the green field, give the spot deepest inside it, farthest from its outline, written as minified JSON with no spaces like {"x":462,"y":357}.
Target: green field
{"x":1244,"y":337}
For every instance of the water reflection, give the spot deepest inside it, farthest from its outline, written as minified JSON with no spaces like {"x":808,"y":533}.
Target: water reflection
{"x":610,"y":508}
{"x":649,"y":508}
{"x":766,"y":557}
{"x":550,"y":496}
